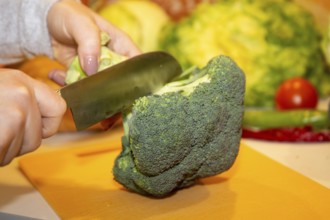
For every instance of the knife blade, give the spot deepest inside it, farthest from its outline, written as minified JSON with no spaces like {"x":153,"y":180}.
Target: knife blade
{"x":99,"y":96}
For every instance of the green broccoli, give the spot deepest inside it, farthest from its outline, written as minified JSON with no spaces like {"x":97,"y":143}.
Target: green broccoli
{"x":189,"y":129}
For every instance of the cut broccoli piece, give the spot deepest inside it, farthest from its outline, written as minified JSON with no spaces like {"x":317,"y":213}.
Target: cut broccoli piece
{"x":189,"y":129}
{"x":107,"y":58}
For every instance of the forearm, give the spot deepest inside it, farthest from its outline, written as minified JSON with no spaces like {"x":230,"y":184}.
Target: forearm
{"x":23,"y":29}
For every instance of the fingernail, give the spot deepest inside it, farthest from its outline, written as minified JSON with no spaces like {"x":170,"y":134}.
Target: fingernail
{"x":57,"y":76}
{"x":90,"y":64}
{"x":56,"y":73}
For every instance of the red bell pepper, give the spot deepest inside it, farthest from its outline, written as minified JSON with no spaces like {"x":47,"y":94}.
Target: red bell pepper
{"x":298,"y":134}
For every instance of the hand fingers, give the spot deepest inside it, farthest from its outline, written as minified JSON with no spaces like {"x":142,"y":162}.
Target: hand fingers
{"x":51,"y":106}
{"x":73,"y":24}
{"x":32,"y":130}
{"x":29,"y":111}
{"x":57,"y":76}
{"x":88,"y":40}
{"x":20,"y":119}
{"x":120,"y":42}
{"x":87,"y":37}
{"x":11,"y":143}
{"x":25,"y":130}
{"x":70,"y":24}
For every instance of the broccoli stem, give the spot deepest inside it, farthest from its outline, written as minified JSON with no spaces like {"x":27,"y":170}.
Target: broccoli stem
{"x":186,"y":82}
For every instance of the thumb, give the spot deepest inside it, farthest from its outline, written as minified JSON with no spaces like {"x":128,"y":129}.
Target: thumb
{"x":51,"y":106}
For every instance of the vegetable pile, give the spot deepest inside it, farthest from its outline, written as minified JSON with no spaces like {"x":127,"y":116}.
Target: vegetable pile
{"x":270,"y":40}
{"x":295,"y":125}
{"x":295,"y":119}
{"x":282,"y":52}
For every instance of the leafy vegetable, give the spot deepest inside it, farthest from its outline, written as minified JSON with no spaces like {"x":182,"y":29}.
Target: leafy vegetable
{"x":270,"y":40}
{"x":326,"y":42}
{"x":189,"y":129}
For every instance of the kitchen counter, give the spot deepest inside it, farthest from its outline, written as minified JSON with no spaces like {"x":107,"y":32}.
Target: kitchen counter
{"x":19,"y":197}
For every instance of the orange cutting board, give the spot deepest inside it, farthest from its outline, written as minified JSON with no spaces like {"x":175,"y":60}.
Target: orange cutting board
{"x":78,"y":184}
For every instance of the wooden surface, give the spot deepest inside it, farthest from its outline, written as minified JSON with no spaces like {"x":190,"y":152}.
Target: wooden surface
{"x":76,"y":181}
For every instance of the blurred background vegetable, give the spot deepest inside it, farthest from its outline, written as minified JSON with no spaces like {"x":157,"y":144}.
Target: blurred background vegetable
{"x":298,"y":134}
{"x":265,"y":119}
{"x":326,"y":41}
{"x":178,"y":9}
{"x":296,"y":93}
{"x":271,"y":40}
{"x":141,"y":19}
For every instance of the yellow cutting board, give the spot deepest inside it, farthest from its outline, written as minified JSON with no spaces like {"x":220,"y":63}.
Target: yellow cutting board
{"x":78,"y":184}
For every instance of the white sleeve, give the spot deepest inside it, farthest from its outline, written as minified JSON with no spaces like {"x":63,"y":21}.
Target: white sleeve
{"x":23,"y":29}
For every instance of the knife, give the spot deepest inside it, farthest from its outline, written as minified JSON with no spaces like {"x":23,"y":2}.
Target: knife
{"x":100,"y":96}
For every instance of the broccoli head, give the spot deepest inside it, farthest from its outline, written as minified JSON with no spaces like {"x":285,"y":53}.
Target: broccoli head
{"x":189,"y":129}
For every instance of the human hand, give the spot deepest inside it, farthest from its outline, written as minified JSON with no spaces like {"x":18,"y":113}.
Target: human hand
{"x":75,"y":29}
{"x":29,"y":111}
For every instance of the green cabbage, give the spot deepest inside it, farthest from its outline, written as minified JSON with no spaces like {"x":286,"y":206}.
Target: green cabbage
{"x":326,"y":42}
{"x":270,"y":40}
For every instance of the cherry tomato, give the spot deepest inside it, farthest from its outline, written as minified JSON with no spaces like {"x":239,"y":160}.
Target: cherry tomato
{"x":296,"y":93}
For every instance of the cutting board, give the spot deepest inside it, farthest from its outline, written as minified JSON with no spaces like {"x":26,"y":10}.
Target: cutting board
{"x":77,"y":182}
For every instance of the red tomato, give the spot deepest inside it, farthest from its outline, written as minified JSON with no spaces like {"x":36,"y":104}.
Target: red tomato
{"x":296,"y":93}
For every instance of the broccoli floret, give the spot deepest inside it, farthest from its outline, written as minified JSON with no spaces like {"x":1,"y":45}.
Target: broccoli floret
{"x":189,"y":129}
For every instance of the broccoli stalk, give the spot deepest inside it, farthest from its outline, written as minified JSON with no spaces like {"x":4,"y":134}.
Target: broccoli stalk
{"x":189,"y":129}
